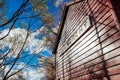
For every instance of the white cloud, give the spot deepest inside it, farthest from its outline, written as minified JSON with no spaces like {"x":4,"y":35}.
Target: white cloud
{"x":33,"y":45}
{"x":57,"y":3}
{"x":27,"y":73}
{"x":19,"y":65}
{"x":34,"y":74}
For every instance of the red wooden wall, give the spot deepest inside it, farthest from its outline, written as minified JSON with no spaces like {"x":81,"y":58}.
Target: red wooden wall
{"x":92,"y":51}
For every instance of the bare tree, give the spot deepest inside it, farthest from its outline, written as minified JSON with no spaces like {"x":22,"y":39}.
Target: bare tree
{"x":49,"y":65}
{"x":18,"y":44}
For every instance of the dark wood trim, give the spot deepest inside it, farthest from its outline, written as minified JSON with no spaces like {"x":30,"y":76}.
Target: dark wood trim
{"x":66,"y":8}
{"x":60,"y":29}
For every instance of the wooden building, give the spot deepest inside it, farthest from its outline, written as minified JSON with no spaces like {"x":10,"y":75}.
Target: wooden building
{"x":88,"y":44}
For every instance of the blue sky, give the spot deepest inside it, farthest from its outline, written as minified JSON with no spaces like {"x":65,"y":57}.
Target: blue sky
{"x":10,"y":7}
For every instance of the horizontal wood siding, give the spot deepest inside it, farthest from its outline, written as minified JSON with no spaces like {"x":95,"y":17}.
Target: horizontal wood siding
{"x":95,"y":55}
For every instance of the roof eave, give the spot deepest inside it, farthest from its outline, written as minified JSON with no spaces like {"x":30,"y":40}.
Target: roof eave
{"x":62,"y":23}
{"x":60,"y":29}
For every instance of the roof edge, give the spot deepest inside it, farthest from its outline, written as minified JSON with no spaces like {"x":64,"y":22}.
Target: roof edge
{"x":60,"y":29}
{"x":73,"y":2}
{"x":62,"y":23}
